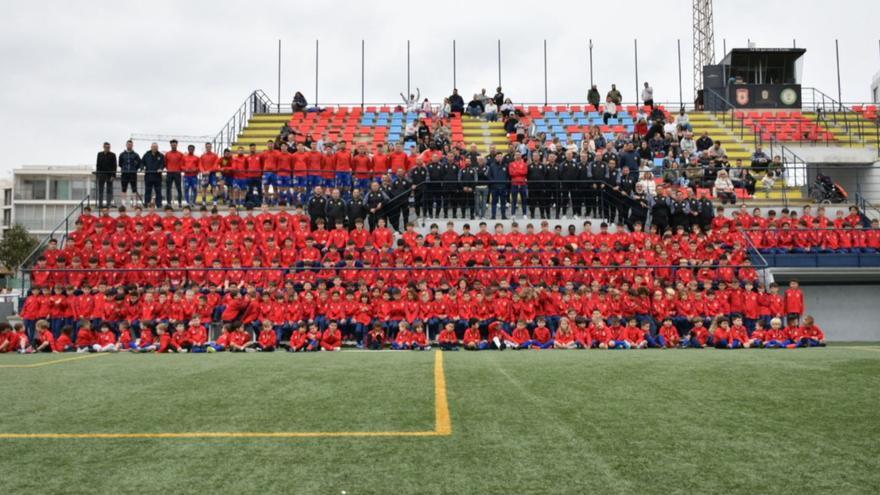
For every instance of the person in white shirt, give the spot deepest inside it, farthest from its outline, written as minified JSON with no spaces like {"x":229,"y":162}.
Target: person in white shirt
{"x":610,"y":110}
{"x":647,"y":183}
{"x":688,"y":144}
{"x":682,"y":120}
{"x":426,"y":110}
{"x":723,"y":188}
{"x":412,"y":103}
{"x":409,"y":134}
{"x":507,"y":107}
{"x":490,"y":111}
{"x":648,"y":95}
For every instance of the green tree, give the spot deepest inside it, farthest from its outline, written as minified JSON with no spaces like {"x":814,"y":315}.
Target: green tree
{"x":16,"y":244}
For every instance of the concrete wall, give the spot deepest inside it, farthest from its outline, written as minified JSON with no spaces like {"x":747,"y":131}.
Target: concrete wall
{"x":845,"y":312}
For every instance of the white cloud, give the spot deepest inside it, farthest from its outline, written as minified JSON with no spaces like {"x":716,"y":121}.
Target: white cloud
{"x":79,"y":73}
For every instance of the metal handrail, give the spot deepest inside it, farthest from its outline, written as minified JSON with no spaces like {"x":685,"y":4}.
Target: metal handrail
{"x":733,"y":122}
{"x":256,"y":102}
{"x":65,"y":222}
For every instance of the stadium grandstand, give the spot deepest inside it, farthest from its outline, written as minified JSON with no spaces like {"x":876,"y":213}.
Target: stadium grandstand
{"x":736,"y":236}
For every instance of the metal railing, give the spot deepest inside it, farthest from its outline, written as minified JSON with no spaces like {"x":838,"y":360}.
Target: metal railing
{"x":59,"y":233}
{"x":866,"y":208}
{"x":256,"y":103}
{"x":728,"y":118}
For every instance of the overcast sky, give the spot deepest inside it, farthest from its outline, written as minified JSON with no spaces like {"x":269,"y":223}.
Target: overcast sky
{"x":78,"y":73}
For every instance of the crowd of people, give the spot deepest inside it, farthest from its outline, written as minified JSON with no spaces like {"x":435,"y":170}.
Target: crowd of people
{"x":288,"y":271}
{"x":658,"y":170}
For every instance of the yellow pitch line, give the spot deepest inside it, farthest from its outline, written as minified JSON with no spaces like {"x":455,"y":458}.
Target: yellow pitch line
{"x":47,"y":363}
{"x":441,"y":403}
{"x":212,"y":434}
{"x":443,"y":422}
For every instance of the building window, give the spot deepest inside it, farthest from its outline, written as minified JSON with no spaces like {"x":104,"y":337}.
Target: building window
{"x":59,"y":189}
{"x":7,"y":197}
{"x":55,"y":214}
{"x":7,"y":218}
{"x":30,"y":188}
{"x":29,"y":216}
{"x":79,"y":188}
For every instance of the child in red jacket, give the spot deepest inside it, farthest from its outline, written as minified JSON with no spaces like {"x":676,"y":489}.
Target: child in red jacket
{"x":331,"y":340}
{"x":63,"y":343}
{"x":419,"y":337}
{"x":84,"y":336}
{"x":375,"y":338}
{"x":105,"y":341}
{"x":667,"y":337}
{"x":543,"y":339}
{"x":564,"y":338}
{"x":497,"y":337}
{"x":45,"y":341}
{"x":403,"y":340}
{"x":473,"y":339}
{"x":811,"y":335}
{"x":447,"y":338}
{"x":267,"y":340}
{"x":794,"y":300}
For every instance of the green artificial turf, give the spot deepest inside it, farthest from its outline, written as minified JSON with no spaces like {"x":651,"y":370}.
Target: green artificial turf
{"x":678,"y":421}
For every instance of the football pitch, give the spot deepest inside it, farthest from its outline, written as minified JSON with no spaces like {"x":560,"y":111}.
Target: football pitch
{"x":657,"y":421}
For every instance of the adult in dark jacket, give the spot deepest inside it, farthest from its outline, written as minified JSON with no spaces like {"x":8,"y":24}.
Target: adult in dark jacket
{"x":105,"y":171}
{"x":375,"y":201}
{"x":317,"y":206}
{"x":401,"y":189}
{"x":593,"y":97}
{"x":418,"y":176}
{"x":129,"y":164}
{"x":456,"y":102}
{"x":499,"y":185}
{"x":154,"y":164}
{"x":356,"y":208}
{"x":299,"y":103}
{"x":335,"y":210}
{"x":436,"y":172}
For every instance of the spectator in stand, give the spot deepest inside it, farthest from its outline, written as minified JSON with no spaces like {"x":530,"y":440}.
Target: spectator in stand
{"x":491,"y":111}
{"x":498,"y":99}
{"x":683,"y":121}
{"x":154,"y":164}
{"x":610,"y":109}
{"x":445,"y":109}
{"x":704,"y":142}
{"x":593,"y":97}
{"x":687,"y":144}
{"x":105,"y":170}
{"x":615,"y":95}
{"x":411,"y":104}
{"x":475,"y":107}
{"x":299,"y":103}
{"x":507,"y":109}
{"x":456,"y":102}
{"x":724,"y":189}
{"x":648,"y":95}
{"x":129,"y":165}
{"x":776,"y":167}
{"x":760,"y":160}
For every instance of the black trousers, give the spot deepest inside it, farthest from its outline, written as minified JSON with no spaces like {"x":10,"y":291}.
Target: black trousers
{"x":105,"y":188}
{"x":173,"y":178}
{"x":153,"y":184}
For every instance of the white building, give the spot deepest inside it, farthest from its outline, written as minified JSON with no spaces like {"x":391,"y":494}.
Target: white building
{"x":6,"y":206}
{"x":875,"y":88}
{"x":42,"y":195}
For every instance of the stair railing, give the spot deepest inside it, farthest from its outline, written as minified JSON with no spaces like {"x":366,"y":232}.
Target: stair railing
{"x":257,"y":102}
